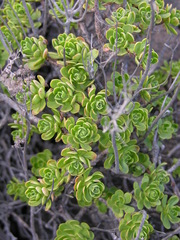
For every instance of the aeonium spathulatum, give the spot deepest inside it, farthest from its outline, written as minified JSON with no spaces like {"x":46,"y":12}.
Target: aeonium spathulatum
{"x":87,"y":188}
{"x":127,"y":156}
{"x":139,"y":117}
{"x":51,"y":175}
{"x":159,"y":174}
{"x":37,"y":193}
{"x":75,"y":50}
{"x":56,"y":13}
{"x":62,"y":94}
{"x":35,"y":51}
{"x":17,"y":31}
{"x":49,"y":125}
{"x":20,"y":128}
{"x":75,"y":161}
{"x":120,"y":38}
{"x":95,"y":104}
{"x":130,"y":224}
{"x":18,"y":10}
{"x":119,"y":203}
{"x":170,"y":212}
{"x":3,"y":55}
{"x":149,"y":194}
{"x":39,"y":161}
{"x":17,"y":188}
{"x":82,"y":133}
{"x":73,"y":229}
{"x":139,"y":49}
{"x":166,"y":128}
{"x":122,"y":17}
{"x":37,"y":89}
{"x":77,"y":76}
{"x":119,"y":82}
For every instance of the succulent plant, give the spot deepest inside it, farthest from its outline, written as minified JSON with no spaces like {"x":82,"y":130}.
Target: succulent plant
{"x":63,"y":95}
{"x":170,"y":17}
{"x":39,"y":161}
{"x":166,"y":128}
{"x":139,"y":117}
{"x":176,"y":172}
{"x":35,"y":51}
{"x":73,"y":229}
{"x":122,"y":17}
{"x":144,"y":15}
{"x":82,"y":133}
{"x":51,"y":175}
{"x":149,"y":194}
{"x":75,"y":50}
{"x":124,"y":130}
{"x":95,"y":104}
{"x":141,"y":54}
{"x":127,"y":156}
{"x":3,"y":55}
{"x":75,"y":161}
{"x":174,"y":237}
{"x":87,"y":118}
{"x":118,"y":203}
{"x":121,"y":37}
{"x":141,"y":166}
{"x":20,"y":128}
{"x":17,"y":33}
{"x":61,"y":39}
{"x":50,"y":125}
{"x":130,"y":224}
{"x":101,"y":206}
{"x":170,"y":212}
{"x":150,"y":85}
{"x":87,"y":188}
{"x":37,"y":193}
{"x":37,"y":89}
{"x":21,"y":13}
{"x":159,"y":174}
{"x":119,"y":82}
{"x":77,"y":76}
{"x":60,"y":6}
{"x":17,"y":188}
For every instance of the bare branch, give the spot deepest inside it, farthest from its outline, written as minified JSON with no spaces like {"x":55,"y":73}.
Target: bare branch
{"x":17,"y":18}
{"x":74,"y":11}
{"x":34,"y":235}
{"x":45,"y":16}
{"x":29,"y":18}
{"x":58,"y":8}
{"x":114,"y":69}
{"x":58,"y":20}
{"x":176,"y":231}
{"x":82,"y":17}
{"x":124,"y":4}
{"x":150,"y":33}
{"x":162,"y":112}
{"x":10,"y":32}
{"x":16,"y":107}
{"x":141,"y":225}
{"x":173,"y":168}
{"x":172,"y":151}
{"x":113,"y":136}
{"x":2,"y":37}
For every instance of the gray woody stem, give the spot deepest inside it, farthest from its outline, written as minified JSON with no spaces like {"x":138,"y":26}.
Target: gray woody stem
{"x":29,"y":18}
{"x":141,"y":225}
